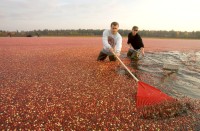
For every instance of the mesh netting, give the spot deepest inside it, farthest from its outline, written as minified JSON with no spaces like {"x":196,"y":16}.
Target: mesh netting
{"x":149,"y":95}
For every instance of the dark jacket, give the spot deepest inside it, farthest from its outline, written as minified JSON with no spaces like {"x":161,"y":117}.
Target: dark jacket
{"x":136,"y":41}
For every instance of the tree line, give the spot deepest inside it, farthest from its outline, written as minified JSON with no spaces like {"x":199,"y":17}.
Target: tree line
{"x":98,"y":32}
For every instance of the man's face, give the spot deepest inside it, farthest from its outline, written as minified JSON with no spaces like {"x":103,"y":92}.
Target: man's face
{"x":134,"y":31}
{"x":114,"y":29}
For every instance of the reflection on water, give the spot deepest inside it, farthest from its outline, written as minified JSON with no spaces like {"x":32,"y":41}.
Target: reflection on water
{"x":183,"y":82}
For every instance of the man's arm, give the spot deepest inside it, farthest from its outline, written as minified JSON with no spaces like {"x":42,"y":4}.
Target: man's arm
{"x":105,"y":40}
{"x":118,"y":46}
{"x":140,"y":41}
{"x":142,"y":48}
{"x":129,"y":41}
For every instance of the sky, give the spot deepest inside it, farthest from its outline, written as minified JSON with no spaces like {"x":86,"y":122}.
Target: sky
{"x":178,"y":15}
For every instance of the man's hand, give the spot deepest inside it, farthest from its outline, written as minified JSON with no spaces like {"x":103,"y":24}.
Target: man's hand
{"x":143,"y":54}
{"x":117,"y":54}
{"x":111,"y":50}
{"x":142,"y":51}
{"x":130,"y":45}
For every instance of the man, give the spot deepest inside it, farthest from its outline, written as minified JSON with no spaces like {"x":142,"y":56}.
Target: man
{"x":135,"y":41}
{"x":112,"y":42}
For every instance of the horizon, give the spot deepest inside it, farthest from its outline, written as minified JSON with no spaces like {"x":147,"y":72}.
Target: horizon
{"x":27,"y":15}
{"x":89,"y":29}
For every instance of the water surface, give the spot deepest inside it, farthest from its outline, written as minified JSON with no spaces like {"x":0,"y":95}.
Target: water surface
{"x":182,"y":82}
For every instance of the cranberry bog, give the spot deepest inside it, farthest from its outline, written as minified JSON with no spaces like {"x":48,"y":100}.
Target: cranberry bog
{"x":56,"y":83}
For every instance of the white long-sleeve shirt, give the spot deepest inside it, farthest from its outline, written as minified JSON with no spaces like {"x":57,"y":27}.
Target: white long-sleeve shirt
{"x":117,"y":41}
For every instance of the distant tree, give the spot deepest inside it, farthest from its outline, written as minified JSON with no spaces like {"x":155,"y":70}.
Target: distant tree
{"x":97,"y":32}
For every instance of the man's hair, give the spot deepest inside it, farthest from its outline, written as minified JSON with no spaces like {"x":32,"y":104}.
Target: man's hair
{"x":135,"y":28}
{"x":114,"y":23}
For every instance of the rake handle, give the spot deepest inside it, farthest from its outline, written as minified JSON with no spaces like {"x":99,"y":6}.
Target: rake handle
{"x":125,"y":66}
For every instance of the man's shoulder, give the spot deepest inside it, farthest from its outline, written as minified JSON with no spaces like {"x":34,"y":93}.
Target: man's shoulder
{"x":130,"y":34}
{"x":119,"y":35}
{"x":138,"y":35}
{"x":106,"y":31}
